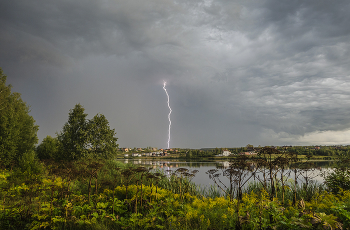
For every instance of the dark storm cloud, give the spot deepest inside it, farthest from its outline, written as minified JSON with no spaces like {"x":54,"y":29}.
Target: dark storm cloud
{"x":279,"y":68}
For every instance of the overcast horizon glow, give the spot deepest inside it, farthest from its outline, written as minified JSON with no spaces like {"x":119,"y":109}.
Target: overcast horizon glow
{"x":240,"y":72}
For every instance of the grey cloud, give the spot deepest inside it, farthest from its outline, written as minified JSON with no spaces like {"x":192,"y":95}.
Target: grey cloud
{"x":18,"y":46}
{"x":280,"y":68}
{"x":84,"y":27}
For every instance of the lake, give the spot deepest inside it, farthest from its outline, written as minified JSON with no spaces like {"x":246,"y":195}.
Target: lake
{"x":202,"y":179}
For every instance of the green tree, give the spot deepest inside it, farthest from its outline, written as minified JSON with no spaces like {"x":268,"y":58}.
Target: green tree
{"x":73,"y":138}
{"x":48,"y":148}
{"x":189,"y":154}
{"x":18,"y":132}
{"x":101,"y":138}
{"x":82,"y":138}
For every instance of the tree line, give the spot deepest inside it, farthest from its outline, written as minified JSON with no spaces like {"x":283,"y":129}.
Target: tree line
{"x":79,"y":138}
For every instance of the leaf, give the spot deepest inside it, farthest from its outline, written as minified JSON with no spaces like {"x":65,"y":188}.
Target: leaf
{"x":102,"y":205}
{"x":44,"y":225}
{"x":95,"y":214}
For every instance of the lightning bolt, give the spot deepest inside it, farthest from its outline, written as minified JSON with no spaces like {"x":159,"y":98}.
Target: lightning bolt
{"x":168,"y":114}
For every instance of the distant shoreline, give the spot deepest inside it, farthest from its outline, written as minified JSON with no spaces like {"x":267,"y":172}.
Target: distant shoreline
{"x":302,"y":157}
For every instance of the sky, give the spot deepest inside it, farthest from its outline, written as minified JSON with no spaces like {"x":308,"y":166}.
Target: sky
{"x":238,"y":72}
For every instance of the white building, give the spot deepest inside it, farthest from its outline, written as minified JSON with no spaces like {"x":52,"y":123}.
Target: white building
{"x":225,"y":153}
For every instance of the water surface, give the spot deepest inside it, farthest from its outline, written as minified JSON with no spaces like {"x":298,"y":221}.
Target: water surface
{"x":202,"y":178}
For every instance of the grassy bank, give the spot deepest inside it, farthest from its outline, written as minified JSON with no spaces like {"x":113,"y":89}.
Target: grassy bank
{"x":94,"y":194}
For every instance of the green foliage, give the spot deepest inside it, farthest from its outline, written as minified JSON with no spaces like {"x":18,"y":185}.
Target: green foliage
{"x":103,"y":194}
{"x":48,"y":148}
{"x":73,"y":137}
{"x":339,"y":178}
{"x":100,"y":137}
{"x":81,"y":138}
{"x":197,"y":153}
{"x":18,"y":132}
{"x":132,"y":198}
{"x":29,"y":163}
{"x":29,"y":169}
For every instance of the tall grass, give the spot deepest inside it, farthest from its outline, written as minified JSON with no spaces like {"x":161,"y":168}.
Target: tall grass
{"x":177,"y":184}
{"x":312,"y":190}
{"x":209,"y":191}
{"x":302,"y":192}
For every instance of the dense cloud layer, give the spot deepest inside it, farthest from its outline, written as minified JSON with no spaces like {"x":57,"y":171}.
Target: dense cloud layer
{"x":260,"y":72}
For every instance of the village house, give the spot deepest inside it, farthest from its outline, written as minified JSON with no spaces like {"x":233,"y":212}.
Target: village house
{"x":224,"y":153}
{"x":247,"y":153}
{"x":155,"y":154}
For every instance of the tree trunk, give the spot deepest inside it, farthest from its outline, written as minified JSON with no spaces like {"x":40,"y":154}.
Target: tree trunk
{"x":89,"y":187}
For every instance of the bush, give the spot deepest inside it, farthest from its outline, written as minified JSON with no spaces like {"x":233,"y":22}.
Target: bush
{"x":29,"y":168}
{"x":29,"y":163}
{"x":338,"y":179}
{"x":48,"y":148}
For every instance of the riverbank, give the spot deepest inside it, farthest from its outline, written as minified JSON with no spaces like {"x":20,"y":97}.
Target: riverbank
{"x":112,"y":195}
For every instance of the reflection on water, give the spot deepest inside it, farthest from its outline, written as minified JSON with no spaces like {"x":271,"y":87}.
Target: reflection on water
{"x":198,"y":164}
{"x":201,"y":177}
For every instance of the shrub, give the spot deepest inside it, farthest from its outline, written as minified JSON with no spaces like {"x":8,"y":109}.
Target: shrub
{"x":29,"y":168}
{"x":48,"y":148}
{"x":30,"y":163}
{"x":338,"y":179}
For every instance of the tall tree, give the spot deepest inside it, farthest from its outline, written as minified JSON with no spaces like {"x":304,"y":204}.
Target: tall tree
{"x":73,"y":138}
{"x":81,"y":137}
{"x":18,"y":132}
{"x":101,"y":138}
